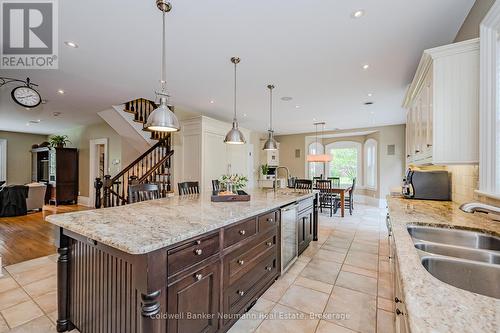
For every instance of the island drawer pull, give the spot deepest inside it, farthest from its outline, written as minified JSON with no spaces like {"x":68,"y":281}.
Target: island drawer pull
{"x":242,"y":232}
{"x":397,"y":300}
{"x":241,"y":262}
{"x":269,"y":268}
{"x":198,"y":276}
{"x":270,"y":220}
{"x":269,"y":244}
{"x":198,"y":252}
{"x":241,"y":292}
{"x":198,"y":242}
{"x":398,"y":312}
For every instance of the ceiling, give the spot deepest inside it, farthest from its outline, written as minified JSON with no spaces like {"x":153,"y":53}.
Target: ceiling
{"x":311,"y":50}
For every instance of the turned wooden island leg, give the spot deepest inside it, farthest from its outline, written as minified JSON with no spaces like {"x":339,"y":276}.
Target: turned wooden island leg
{"x":63,"y":262}
{"x":149,"y":309}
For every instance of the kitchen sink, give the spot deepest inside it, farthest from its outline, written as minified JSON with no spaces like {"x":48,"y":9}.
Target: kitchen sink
{"x":455,"y":237}
{"x":491,"y":257}
{"x":480,"y":278}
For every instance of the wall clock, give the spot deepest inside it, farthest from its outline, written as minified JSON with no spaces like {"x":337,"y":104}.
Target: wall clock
{"x":26,"y":96}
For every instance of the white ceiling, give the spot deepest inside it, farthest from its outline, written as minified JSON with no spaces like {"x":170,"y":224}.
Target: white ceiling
{"x":311,"y":50}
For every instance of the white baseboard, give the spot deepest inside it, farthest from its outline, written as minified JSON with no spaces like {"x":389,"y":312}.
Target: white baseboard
{"x":84,"y":201}
{"x":370,"y":201}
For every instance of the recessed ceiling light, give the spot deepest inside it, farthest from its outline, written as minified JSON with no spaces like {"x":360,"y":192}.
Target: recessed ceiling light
{"x":71,"y":44}
{"x":212,"y":101}
{"x":314,"y":119}
{"x":358,"y":13}
{"x":371,"y":112}
{"x":244,"y":114}
{"x":370,"y":94}
{"x":286,"y":98}
{"x":297,"y":106}
{"x":60,"y":92}
{"x":366,"y":66}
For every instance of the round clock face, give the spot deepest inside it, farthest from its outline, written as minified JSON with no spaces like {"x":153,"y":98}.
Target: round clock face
{"x":26,"y":96}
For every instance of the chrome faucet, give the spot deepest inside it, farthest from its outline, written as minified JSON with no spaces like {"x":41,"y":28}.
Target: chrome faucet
{"x":473,"y":207}
{"x":275,"y":182}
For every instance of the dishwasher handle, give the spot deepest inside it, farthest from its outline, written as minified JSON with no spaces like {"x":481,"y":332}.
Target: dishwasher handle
{"x":290,"y":207}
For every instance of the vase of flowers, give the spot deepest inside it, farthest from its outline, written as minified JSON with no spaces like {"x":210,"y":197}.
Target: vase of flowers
{"x":233,"y":183}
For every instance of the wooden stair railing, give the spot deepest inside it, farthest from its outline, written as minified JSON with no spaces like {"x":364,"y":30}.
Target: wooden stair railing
{"x":151,"y":167}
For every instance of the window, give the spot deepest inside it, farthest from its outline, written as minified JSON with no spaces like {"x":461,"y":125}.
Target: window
{"x":489,"y":104}
{"x":371,"y":164}
{"x":316,"y":169}
{"x":3,"y":160}
{"x":346,"y":160}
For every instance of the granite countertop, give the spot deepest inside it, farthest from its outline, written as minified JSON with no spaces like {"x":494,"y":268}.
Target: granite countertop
{"x":432,"y":305}
{"x":147,"y":226}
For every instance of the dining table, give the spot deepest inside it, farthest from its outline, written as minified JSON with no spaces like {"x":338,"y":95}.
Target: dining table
{"x":341,"y":190}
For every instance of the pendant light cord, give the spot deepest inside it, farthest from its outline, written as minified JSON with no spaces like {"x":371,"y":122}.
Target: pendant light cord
{"x":163,"y":58}
{"x":271,"y":109}
{"x":234,"y":119}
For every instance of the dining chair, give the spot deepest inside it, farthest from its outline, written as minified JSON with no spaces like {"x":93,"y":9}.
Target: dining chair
{"x":143,"y":192}
{"x":188,"y":188}
{"x":326,"y":198}
{"x":215,"y":185}
{"x":335,"y":181}
{"x":348,"y":199}
{"x":303,"y":184}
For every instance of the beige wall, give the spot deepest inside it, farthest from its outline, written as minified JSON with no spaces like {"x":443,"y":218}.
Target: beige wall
{"x":118,"y":150}
{"x":470,"y":27}
{"x":19,"y":155}
{"x":390,"y":168}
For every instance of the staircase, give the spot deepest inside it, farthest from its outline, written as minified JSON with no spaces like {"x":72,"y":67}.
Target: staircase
{"x":153,"y":166}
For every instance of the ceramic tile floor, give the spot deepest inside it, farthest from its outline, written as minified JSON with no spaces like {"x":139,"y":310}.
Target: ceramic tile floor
{"x":342,"y":283}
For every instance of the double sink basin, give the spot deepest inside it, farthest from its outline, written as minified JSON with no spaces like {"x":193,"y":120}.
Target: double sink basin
{"x":464,"y":259}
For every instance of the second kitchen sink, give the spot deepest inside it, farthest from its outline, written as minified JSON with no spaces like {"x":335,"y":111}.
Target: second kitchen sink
{"x":477,"y":277}
{"x":491,"y":257}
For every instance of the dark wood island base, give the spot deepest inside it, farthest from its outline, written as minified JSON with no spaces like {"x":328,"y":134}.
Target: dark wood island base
{"x":199,"y":285}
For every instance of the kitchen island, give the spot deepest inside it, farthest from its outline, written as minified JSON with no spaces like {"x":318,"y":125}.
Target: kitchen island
{"x":179,"y":264}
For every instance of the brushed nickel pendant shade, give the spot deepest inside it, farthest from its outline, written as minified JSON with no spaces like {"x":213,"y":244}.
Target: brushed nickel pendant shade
{"x":162,"y":119}
{"x":234,"y":136}
{"x":270,"y":143}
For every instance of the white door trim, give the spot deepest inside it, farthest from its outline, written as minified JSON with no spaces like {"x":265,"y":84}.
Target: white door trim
{"x":92,"y":162}
{"x":488,"y":99}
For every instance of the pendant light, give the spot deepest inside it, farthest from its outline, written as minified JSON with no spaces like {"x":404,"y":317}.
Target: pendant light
{"x":234,"y":136}
{"x":319,"y":157}
{"x":270,"y":143}
{"x":162,"y":119}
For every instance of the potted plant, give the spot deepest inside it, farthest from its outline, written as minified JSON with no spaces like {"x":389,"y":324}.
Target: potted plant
{"x":233,"y":183}
{"x":59,"y":141}
{"x":265,"y":169}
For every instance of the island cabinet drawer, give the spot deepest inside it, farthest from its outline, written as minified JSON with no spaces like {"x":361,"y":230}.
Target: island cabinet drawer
{"x":191,"y":253}
{"x":250,"y":285}
{"x":268,"y":221}
{"x":238,"y":263}
{"x":240,"y":231}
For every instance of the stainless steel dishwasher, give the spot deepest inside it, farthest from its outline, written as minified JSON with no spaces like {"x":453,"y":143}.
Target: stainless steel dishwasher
{"x":289,"y":236}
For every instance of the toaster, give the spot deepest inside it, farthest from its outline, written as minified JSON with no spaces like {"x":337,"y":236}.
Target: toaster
{"x":426,"y":185}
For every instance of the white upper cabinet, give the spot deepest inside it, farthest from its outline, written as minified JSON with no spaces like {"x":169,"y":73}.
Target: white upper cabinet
{"x":442,"y":105}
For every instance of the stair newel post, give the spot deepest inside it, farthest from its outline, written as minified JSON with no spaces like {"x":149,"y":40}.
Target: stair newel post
{"x":106,"y":193}
{"x":98,"y":187}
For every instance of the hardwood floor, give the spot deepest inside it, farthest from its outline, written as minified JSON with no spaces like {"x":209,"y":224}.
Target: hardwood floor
{"x":28,"y":237}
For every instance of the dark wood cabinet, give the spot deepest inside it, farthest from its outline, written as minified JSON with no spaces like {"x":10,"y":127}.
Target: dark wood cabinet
{"x":306,"y":228}
{"x":58,"y":167}
{"x":194,"y":301}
